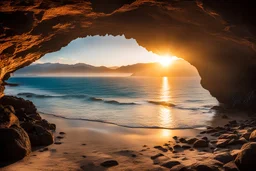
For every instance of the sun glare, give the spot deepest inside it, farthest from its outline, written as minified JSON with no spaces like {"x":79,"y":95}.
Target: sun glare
{"x":165,"y":61}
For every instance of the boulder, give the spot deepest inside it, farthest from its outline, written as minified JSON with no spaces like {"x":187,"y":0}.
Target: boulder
{"x":246,"y":158}
{"x":200,"y":144}
{"x":14,"y":143}
{"x":38,"y":135}
{"x":224,"y":157}
{"x":206,"y":165}
{"x":231,"y":166}
{"x":253,"y":136}
{"x":25,"y":109}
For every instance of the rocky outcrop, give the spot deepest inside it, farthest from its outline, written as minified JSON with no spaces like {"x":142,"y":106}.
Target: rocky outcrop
{"x":14,"y":141}
{"x":246,"y":159}
{"x":21,"y":128}
{"x":218,"y":38}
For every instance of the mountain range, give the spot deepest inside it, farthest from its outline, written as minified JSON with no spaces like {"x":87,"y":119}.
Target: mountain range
{"x":179,"y":68}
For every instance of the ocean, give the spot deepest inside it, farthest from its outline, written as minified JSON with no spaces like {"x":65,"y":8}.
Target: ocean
{"x":136,"y":102}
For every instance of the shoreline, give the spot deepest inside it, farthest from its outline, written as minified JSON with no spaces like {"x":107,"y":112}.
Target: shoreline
{"x":85,"y":145}
{"x":103,"y":141}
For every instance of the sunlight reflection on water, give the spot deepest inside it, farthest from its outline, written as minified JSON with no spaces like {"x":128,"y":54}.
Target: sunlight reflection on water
{"x":165,"y":112}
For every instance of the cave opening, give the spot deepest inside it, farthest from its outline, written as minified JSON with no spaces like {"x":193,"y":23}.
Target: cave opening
{"x":114,"y":80}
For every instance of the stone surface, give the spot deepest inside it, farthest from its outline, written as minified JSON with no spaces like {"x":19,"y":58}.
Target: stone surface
{"x":222,"y":143}
{"x":38,"y":135}
{"x":223,"y":157}
{"x":7,"y":118}
{"x":109,"y":163}
{"x":207,"y":165}
{"x":246,"y":158}
{"x":200,"y":144}
{"x":253,"y":136}
{"x":170,"y":164}
{"x":231,"y":166}
{"x":14,"y":143}
{"x":39,"y":25}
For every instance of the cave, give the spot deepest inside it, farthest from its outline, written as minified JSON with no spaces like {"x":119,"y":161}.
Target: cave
{"x":217,"y":38}
{"x":221,"y":46}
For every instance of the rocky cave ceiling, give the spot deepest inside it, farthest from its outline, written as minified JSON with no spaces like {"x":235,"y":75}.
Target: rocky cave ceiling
{"x":217,"y":37}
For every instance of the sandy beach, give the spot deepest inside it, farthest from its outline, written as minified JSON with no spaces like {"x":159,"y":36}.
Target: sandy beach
{"x":85,"y":145}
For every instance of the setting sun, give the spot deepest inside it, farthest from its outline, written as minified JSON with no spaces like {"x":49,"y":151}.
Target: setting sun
{"x":167,"y":60}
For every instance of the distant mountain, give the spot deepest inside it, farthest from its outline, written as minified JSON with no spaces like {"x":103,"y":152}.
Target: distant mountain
{"x":56,"y":68}
{"x":179,"y":68}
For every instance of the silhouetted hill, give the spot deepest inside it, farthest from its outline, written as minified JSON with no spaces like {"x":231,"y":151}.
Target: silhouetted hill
{"x":179,"y":68}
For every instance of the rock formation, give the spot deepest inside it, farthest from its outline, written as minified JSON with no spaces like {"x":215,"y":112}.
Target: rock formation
{"x":217,"y":38}
{"x":21,"y":128}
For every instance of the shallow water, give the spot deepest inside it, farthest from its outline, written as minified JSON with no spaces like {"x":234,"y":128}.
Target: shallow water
{"x":125,"y":101}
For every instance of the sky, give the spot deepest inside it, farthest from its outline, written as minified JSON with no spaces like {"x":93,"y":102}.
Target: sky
{"x":101,"y":51}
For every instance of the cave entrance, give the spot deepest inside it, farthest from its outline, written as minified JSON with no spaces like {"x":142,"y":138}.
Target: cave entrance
{"x":114,"y":80}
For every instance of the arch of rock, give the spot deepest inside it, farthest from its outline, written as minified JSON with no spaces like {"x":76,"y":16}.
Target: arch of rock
{"x":218,"y":38}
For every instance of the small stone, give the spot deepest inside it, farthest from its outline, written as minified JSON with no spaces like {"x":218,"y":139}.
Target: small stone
{"x":183,"y":140}
{"x":231,"y":166}
{"x":59,"y":137}
{"x":192,"y":140}
{"x":205,"y":138}
{"x":62,"y":133}
{"x":224,"y":157}
{"x":109,"y":163}
{"x":58,"y":143}
{"x":253,"y":136}
{"x":175,"y":137}
{"x":44,"y":149}
{"x":170,"y":164}
{"x":246,"y":135}
{"x":161,"y":148}
{"x":185,"y":146}
{"x":134,"y":155}
{"x":177,"y":146}
{"x":156,"y":156}
{"x":83,"y":144}
{"x":200,"y":144}
{"x":222,"y":143}
{"x":84,"y":156}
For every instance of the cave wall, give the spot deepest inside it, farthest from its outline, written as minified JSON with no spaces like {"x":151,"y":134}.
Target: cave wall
{"x":217,"y":38}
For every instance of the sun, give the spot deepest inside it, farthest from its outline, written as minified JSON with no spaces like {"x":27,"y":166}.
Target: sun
{"x":166,"y":60}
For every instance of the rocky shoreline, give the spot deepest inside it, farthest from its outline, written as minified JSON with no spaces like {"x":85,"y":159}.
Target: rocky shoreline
{"x":22,"y":128}
{"x":231,"y":147}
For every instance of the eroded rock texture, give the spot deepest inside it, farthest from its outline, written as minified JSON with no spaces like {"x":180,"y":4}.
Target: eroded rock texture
{"x":218,"y":38}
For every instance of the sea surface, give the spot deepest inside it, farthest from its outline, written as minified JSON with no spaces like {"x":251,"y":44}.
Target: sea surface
{"x":125,"y":101}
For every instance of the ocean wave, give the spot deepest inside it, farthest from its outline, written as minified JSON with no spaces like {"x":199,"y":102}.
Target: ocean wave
{"x":112,"y":101}
{"x":115,"y":102}
{"x":50,"y":96}
{"x":35,"y":95}
{"x":162,"y":103}
{"x":126,"y":126}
